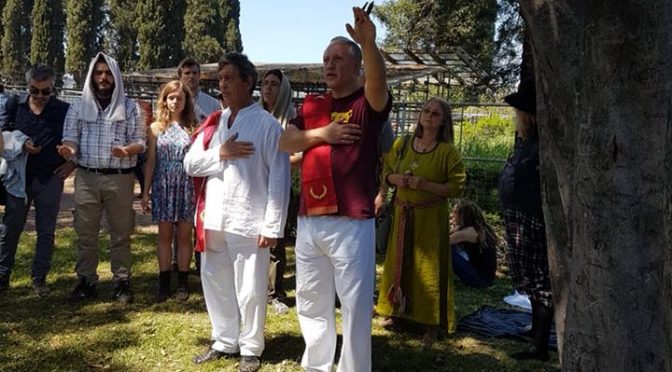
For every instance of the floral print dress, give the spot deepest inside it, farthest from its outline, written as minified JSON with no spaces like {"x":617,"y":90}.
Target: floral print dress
{"x":172,"y":190}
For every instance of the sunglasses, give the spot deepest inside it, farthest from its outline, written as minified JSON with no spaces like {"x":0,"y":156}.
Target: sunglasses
{"x":34,"y":91}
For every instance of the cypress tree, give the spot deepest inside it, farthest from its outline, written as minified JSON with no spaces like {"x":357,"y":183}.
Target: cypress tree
{"x":233,"y":42}
{"x":175,"y":31}
{"x":201,"y":25}
{"x":46,"y":44}
{"x":2,"y":29}
{"x":122,"y":35}
{"x":83,"y":31}
{"x":150,"y":21}
{"x":13,"y":58}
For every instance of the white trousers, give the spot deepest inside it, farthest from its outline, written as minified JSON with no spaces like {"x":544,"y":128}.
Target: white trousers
{"x":234,"y":274}
{"x":335,"y":255}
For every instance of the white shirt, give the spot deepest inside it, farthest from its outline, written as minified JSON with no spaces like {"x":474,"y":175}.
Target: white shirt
{"x":249,"y":196}
{"x":205,"y":105}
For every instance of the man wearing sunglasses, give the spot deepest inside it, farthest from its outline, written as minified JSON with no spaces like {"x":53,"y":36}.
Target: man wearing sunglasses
{"x":39,"y":116}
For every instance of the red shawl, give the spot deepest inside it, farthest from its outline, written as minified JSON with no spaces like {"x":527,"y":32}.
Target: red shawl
{"x":317,"y":182}
{"x":209,"y":127}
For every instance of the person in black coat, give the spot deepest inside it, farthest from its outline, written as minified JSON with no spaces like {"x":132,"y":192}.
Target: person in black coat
{"x":520,"y":195}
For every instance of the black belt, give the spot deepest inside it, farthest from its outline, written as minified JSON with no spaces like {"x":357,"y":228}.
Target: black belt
{"x":107,"y":170}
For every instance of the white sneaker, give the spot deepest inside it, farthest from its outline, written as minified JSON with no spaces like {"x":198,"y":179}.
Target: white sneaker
{"x":279,"y":307}
{"x":519,"y":300}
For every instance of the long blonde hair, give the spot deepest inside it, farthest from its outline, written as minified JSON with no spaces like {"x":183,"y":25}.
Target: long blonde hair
{"x":187,"y":117}
{"x":283,"y":110}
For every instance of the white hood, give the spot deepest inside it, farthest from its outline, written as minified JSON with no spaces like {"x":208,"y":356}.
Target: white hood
{"x":89,"y":106}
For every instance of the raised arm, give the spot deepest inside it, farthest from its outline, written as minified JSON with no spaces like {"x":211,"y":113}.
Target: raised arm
{"x":364,"y":33}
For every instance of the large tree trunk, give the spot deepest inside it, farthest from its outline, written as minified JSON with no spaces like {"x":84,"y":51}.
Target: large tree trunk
{"x":604,"y":90}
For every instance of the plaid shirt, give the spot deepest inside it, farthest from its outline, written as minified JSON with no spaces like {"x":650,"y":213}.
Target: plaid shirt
{"x":96,"y":139}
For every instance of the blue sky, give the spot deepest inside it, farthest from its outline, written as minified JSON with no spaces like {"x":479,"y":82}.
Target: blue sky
{"x":287,"y":31}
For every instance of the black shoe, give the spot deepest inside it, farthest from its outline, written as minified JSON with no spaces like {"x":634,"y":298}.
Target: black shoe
{"x":249,"y":363}
{"x":84,"y":290}
{"x":40,"y":286}
{"x":4,"y":282}
{"x":182,"y":286}
{"x":211,"y":355}
{"x":182,"y":294}
{"x":122,"y":292}
{"x":164,"y":286}
{"x":531,"y":354}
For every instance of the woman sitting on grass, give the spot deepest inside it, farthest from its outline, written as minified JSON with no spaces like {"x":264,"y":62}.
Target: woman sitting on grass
{"x":473,"y":245}
{"x":172,"y":191}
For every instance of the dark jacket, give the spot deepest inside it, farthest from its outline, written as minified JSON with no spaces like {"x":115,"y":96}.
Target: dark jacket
{"x":519,"y":182}
{"x":45,"y":130}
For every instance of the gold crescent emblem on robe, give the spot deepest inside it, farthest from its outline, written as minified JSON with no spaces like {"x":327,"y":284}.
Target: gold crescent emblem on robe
{"x":202,"y":215}
{"x":321,"y":196}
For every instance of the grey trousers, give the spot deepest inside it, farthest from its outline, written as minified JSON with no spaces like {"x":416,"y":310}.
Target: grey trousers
{"x":113,"y":194}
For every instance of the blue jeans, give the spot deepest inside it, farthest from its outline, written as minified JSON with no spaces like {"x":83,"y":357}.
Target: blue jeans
{"x":465,"y":271}
{"x":46,"y":195}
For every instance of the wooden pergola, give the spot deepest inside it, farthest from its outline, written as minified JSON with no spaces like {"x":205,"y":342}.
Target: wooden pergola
{"x":407,"y":71}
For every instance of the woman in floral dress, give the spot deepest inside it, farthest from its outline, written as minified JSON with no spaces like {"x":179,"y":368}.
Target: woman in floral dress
{"x":172,"y":191}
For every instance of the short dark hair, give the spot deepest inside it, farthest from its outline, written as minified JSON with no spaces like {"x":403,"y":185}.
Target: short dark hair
{"x":354,"y":48}
{"x":246,"y":69}
{"x":186,"y":63}
{"x":40,"y":72}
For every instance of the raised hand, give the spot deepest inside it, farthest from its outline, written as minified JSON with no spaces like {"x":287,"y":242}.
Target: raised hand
{"x":65,"y":151}
{"x":120,"y":151}
{"x":364,"y":30}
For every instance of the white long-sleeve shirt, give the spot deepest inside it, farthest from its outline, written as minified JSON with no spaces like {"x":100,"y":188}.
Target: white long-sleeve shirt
{"x":245,"y":196}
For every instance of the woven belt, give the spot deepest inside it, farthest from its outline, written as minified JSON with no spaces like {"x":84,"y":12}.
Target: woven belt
{"x":107,"y":170}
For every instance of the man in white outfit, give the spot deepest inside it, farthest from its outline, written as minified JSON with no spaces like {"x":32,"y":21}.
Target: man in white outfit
{"x":244,"y":212}
{"x":338,"y":133}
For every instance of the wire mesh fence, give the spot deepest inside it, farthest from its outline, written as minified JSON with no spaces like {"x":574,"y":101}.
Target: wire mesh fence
{"x":483,"y":134}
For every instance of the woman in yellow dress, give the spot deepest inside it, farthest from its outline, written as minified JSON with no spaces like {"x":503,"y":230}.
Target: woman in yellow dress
{"x":426,"y":169}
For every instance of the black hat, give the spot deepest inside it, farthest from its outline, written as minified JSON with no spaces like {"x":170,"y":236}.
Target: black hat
{"x":525,"y":99}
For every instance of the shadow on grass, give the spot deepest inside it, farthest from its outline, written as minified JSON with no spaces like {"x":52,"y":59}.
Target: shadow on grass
{"x":96,"y":353}
{"x":76,"y":359}
{"x":143,"y":249}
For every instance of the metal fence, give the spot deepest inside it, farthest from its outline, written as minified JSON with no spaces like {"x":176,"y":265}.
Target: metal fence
{"x":482,"y":172}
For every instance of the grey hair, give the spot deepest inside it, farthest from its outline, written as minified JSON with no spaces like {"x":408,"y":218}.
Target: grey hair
{"x":354,"y":48}
{"x":40,"y":72}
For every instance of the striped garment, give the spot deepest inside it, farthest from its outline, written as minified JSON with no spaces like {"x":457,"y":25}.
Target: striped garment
{"x":528,"y":255}
{"x":96,"y":139}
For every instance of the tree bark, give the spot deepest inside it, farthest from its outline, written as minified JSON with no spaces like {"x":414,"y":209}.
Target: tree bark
{"x":604,"y":87}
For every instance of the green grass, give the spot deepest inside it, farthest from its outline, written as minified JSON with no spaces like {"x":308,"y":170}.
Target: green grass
{"x":51,"y":334}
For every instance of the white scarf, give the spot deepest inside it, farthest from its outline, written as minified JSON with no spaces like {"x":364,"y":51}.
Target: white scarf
{"x":89,"y":106}
{"x":283,"y":110}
